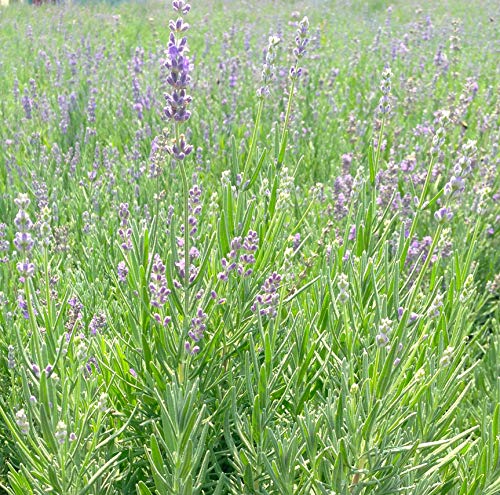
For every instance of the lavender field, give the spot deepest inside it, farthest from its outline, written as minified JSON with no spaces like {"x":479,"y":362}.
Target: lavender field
{"x":250,"y":247}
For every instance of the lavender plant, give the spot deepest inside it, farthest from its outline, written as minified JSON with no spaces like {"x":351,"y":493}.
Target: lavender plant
{"x":253,"y":254}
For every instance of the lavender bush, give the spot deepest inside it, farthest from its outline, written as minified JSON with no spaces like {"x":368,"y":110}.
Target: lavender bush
{"x":249,"y":248}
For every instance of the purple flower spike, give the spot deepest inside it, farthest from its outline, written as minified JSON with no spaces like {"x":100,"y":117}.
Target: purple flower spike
{"x":181,"y":6}
{"x":443,"y":215}
{"x":122,"y":272}
{"x":266,"y":303}
{"x":158,"y":283}
{"x":26,"y":269}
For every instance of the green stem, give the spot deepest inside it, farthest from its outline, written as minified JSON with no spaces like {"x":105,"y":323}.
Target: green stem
{"x":35,"y":333}
{"x":425,"y":266}
{"x":379,"y":146}
{"x":47,"y":287}
{"x":185,"y":322}
{"x":253,"y":142}
{"x":418,"y":212}
{"x":287,"y":119}
{"x":288,"y":108}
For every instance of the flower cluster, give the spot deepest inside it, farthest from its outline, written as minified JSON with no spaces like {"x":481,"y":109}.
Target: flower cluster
{"x":343,"y":286}
{"x":435,"y":307}
{"x":384,"y":104}
{"x":266,"y":303}
{"x":75,"y":315}
{"x":125,"y":232}
{"x":196,"y":332}
{"x":443,"y":215}
{"x":23,"y":239}
{"x":241,"y":257}
{"x":122,"y":271}
{"x":22,"y":421}
{"x":23,"y":306}
{"x":194,"y":207}
{"x":268,"y":67}
{"x":382,"y":338}
{"x":301,"y":42}
{"x":418,"y":253}
{"x":178,"y":67}
{"x":447,"y":357}
{"x":43,"y":226}
{"x":4,"y":244}
{"x":439,"y":137}
{"x":11,"y":357}
{"x":158,"y":283}
{"x":97,"y":323}
{"x":462,"y":168}
{"x":61,"y":432}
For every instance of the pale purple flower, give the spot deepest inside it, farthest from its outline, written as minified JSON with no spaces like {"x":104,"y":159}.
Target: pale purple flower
{"x":61,"y":432}
{"x":178,"y":66}
{"x":268,"y":66}
{"x":97,"y":324}
{"x":11,"y":357}
{"x":266,"y":302}
{"x":125,"y":232}
{"x":241,"y":256}
{"x":23,"y":241}
{"x":301,"y":42}
{"x":443,"y":215}
{"x":381,"y":340}
{"x":384,"y":106}
{"x":25,"y":269}
{"x":22,"y":421}
{"x":158,"y":283}
{"x":122,"y":271}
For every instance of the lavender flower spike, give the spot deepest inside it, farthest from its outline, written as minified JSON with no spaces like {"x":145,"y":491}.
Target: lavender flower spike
{"x":268,"y":67}
{"x":178,"y":66}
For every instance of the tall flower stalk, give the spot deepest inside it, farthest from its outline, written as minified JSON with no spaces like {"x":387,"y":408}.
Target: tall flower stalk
{"x":176,"y":111}
{"x":262,"y":93}
{"x":301,"y":42}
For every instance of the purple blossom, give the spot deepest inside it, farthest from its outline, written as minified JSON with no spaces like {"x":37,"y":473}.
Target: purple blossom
{"x":178,"y":66}
{"x":24,"y":241}
{"x":241,"y":256}
{"x":97,"y":324}
{"x":196,"y":332}
{"x":158,"y":283}
{"x":193,"y":272}
{"x":25,"y":269}
{"x":268,"y":66}
{"x":11,"y":357}
{"x":4,"y":244}
{"x":384,"y":105}
{"x":122,"y":271}
{"x":181,"y":6}
{"x":162,"y":321}
{"x":125,"y":232}
{"x":266,"y":302}
{"x":443,"y":215}
{"x":198,"y":326}
{"x":301,"y":42}
{"x":381,"y":340}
